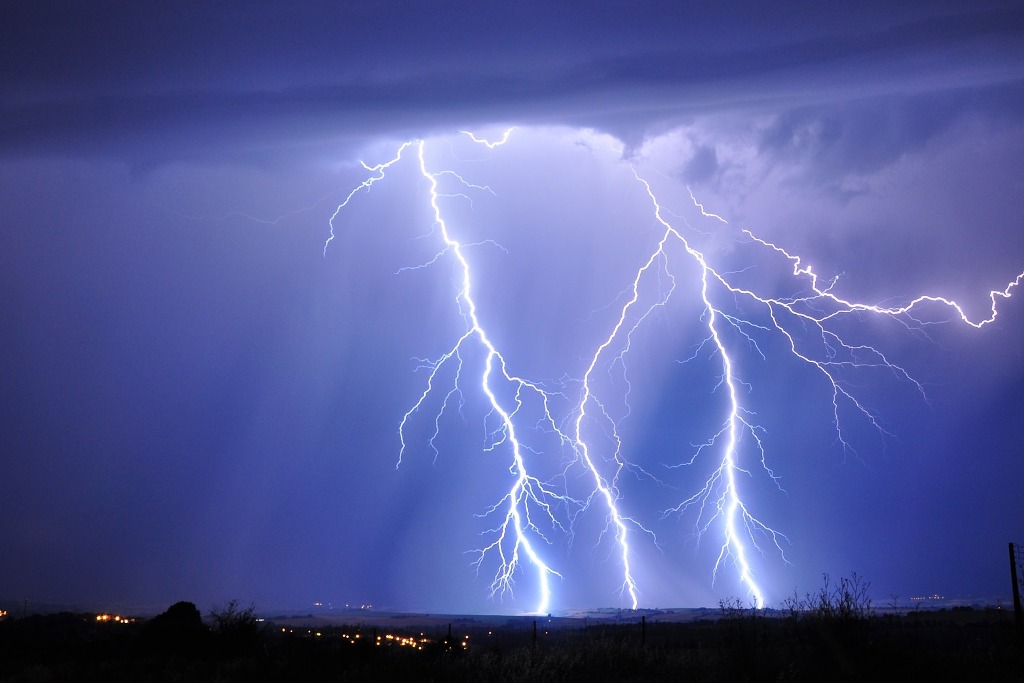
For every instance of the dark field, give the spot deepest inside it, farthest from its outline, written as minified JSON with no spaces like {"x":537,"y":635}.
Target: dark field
{"x":724,"y":645}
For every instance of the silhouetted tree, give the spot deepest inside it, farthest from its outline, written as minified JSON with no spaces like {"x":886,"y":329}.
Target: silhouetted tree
{"x":179,"y":630}
{"x":236,"y":628}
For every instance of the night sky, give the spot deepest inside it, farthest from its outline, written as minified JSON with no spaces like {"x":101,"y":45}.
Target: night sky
{"x":199,"y":402}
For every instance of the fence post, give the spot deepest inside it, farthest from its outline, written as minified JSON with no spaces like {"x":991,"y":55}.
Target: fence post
{"x":1017,"y":615}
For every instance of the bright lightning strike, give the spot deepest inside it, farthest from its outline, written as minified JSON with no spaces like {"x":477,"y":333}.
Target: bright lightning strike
{"x":489,"y":144}
{"x":528,"y":499}
{"x":735,"y":317}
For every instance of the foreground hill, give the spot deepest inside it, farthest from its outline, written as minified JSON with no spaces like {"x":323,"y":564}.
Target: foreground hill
{"x":726,"y":645}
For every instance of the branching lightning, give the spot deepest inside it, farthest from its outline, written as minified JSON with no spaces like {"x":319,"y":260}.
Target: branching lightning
{"x":734,"y":316}
{"x":528,"y":496}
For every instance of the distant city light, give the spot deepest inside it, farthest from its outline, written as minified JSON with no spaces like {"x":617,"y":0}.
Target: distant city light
{"x":103,"y":618}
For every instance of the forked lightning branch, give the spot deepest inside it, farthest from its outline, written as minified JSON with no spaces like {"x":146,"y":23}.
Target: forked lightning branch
{"x":735,"y":318}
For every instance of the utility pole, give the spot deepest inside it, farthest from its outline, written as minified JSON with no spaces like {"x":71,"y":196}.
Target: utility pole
{"x":1017,"y":614}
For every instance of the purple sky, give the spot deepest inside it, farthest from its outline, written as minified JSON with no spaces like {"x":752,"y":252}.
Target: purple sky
{"x":197,"y":403}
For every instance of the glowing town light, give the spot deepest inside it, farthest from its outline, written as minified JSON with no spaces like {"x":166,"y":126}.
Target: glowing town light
{"x":734,"y":317}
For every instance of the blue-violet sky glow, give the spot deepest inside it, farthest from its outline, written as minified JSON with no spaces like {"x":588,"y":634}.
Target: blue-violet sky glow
{"x":584,"y":367}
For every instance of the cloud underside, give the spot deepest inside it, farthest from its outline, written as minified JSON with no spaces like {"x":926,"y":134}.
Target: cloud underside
{"x":232,"y":95}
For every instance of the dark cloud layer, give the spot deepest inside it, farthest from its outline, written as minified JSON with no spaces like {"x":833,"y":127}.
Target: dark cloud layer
{"x":866,"y":135}
{"x":117,"y":79}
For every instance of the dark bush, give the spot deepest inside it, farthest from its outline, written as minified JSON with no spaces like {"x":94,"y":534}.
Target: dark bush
{"x":178,"y":631}
{"x":236,"y":629}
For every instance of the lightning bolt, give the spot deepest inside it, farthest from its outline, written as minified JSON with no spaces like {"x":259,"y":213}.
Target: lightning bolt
{"x":721,"y":490}
{"x":733,"y":317}
{"x":489,"y":144}
{"x":528,"y":499}
{"x":720,"y":497}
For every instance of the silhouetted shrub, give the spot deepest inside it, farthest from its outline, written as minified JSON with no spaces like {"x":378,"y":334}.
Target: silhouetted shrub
{"x":178,"y":631}
{"x":237,"y":629}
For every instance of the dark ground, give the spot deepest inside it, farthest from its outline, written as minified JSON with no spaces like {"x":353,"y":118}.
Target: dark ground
{"x":735,"y":645}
